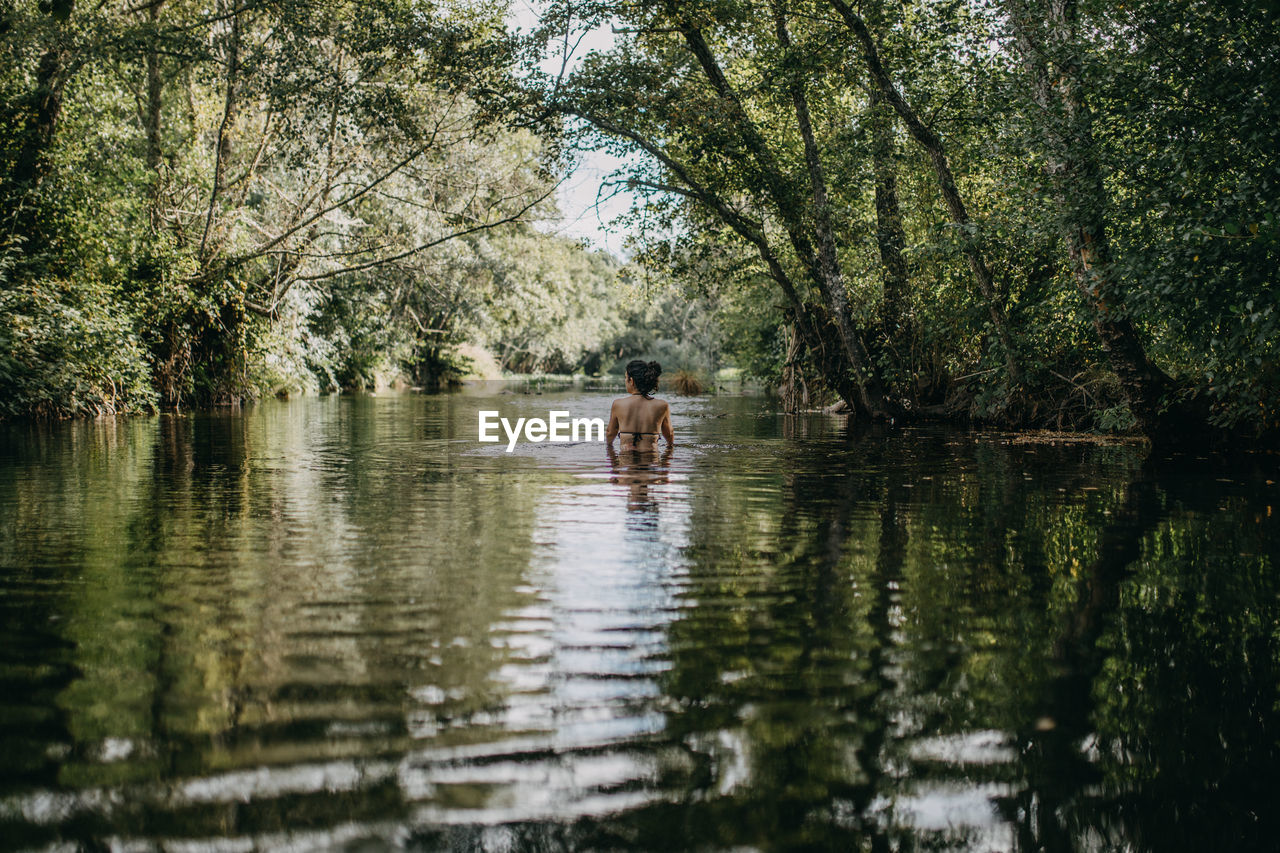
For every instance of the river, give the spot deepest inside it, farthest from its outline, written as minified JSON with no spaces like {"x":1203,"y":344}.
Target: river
{"x":343,"y":623}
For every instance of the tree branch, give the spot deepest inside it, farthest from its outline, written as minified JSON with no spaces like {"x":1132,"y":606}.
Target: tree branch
{"x":485,"y":226}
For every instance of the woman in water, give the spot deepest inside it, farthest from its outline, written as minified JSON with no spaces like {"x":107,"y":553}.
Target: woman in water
{"x":639,"y":417}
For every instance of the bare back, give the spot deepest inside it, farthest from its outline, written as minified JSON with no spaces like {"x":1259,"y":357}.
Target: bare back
{"x":640,"y":421}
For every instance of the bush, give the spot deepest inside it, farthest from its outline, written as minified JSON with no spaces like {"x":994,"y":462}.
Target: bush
{"x":64,"y":355}
{"x":686,"y":383}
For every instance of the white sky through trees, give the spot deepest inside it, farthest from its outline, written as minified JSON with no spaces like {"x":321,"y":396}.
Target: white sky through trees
{"x":587,"y":206}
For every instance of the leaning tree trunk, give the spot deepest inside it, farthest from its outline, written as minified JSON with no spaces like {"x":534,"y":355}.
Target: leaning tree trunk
{"x":934,"y":147}
{"x":860,"y":387}
{"x":1047,"y":43}
{"x":828,"y":262}
{"x":826,"y":350}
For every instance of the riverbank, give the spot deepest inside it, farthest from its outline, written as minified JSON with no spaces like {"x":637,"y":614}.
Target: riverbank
{"x":730,"y":382}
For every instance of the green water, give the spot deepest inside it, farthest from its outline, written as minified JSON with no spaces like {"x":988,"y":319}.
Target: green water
{"x":342,"y":623}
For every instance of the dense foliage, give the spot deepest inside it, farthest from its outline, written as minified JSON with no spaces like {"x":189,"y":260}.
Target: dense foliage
{"x":1049,"y":212}
{"x":1033,"y":211}
{"x":205,"y":201}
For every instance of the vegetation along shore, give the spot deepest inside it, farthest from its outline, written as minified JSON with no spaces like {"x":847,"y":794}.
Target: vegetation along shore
{"x":1025,"y":213}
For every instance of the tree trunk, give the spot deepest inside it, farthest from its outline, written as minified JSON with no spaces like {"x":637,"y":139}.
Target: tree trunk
{"x":890,"y":239}
{"x":36,"y":123}
{"x":154,"y":92}
{"x":43,"y":109}
{"x":222,"y":157}
{"x":793,"y":391}
{"x":1048,"y":47}
{"x":932,"y":145}
{"x":808,"y":322}
{"x":153,"y":115}
{"x":870,"y":387}
{"x":820,"y":264}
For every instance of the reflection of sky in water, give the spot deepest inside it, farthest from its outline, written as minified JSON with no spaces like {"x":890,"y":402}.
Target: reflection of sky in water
{"x":587,"y":651}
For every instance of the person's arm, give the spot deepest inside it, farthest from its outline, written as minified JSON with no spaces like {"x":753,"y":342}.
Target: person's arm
{"x":665,"y":427}
{"x":612,"y":431}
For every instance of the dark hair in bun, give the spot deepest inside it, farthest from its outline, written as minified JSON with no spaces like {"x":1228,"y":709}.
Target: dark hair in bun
{"x":645,"y":375}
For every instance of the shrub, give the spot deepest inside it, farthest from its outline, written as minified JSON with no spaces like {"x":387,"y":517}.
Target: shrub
{"x":686,"y":383}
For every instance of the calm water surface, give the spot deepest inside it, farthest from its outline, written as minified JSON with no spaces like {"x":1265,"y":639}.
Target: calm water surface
{"x":342,"y":623}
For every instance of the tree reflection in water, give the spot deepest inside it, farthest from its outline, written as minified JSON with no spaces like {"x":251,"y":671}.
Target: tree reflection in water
{"x":332,"y":622}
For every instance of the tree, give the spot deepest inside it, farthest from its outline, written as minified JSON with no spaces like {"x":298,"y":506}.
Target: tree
{"x":191,"y":185}
{"x":933,"y":144}
{"x":739,"y":164}
{"x":1047,"y":38}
